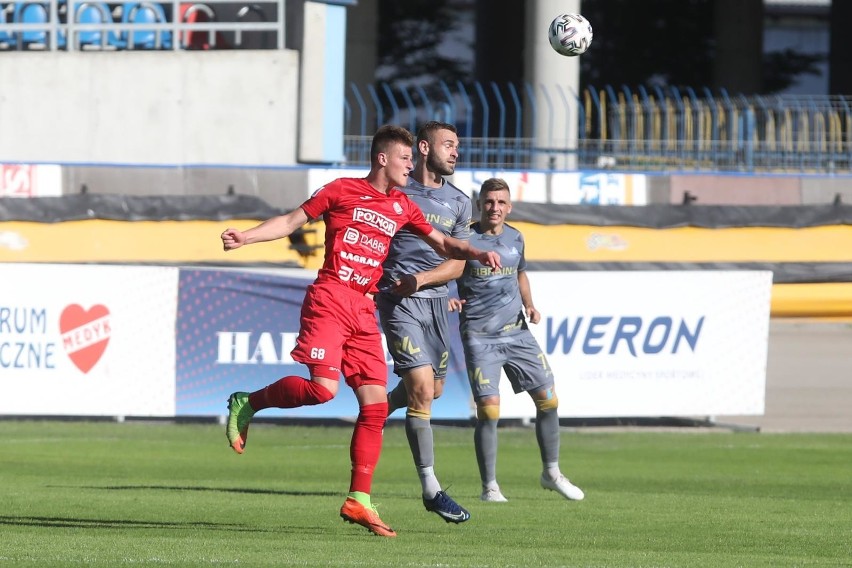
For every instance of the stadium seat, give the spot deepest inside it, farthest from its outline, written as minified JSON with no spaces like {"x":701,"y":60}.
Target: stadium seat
{"x":6,"y":39}
{"x":203,"y":39}
{"x":253,"y":40}
{"x":31,"y":14}
{"x":139,"y":14}
{"x":92,"y":13}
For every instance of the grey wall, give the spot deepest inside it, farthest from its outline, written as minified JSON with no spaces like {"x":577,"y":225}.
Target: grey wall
{"x":287,"y":187}
{"x":175,"y":108}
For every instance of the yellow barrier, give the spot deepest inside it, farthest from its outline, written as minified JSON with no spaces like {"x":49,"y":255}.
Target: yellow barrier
{"x":189,"y":242}
{"x":826,"y":300}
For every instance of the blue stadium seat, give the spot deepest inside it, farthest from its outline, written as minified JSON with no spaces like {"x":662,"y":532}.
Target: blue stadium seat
{"x":86,"y":12}
{"x":6,"y":39}
{"x":139,"y":14}
{"x":34,"y":13}
{"x":31,"y":14}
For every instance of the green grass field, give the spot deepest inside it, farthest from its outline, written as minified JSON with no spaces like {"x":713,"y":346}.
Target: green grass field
{"x":106,"y":494}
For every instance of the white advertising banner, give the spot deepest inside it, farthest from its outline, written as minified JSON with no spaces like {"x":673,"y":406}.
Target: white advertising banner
{"x":530,"y":187}
{"x":25,"y":180}
{"x":599,"y":188}
{"x":651,"y":344}
{"x":592,"y":187}
{"x":87,"y":340}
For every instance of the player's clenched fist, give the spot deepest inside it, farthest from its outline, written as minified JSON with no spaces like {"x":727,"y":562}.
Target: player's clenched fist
{"x":232,"y":239}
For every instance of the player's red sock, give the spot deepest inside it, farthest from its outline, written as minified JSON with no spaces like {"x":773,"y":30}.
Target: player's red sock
{"x":366,"y":445}
{"x":289,"y":392}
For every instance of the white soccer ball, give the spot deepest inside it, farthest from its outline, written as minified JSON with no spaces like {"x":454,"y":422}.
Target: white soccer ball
{"x":570,"y":34}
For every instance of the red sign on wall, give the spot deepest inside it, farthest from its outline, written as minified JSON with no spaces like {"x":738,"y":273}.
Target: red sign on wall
{"x":18,"y":181}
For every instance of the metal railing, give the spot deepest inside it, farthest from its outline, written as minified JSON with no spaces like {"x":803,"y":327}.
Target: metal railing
{"x":62,"y":29}
{"x":649,"y":129}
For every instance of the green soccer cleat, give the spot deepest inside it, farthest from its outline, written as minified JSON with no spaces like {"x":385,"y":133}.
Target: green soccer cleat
{"x":240,"y":413}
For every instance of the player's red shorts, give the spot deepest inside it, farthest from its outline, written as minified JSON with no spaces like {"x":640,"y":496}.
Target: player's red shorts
{"x":339,"y":329}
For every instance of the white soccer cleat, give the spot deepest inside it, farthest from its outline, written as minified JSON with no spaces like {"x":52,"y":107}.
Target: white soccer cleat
{"x":492,"y":496}
{"x":562,"y":486}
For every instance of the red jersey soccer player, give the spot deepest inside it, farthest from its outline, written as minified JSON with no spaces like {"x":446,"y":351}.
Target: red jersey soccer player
{"x":338,"y":330}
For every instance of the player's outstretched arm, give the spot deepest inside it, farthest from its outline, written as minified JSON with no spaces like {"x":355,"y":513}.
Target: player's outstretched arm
{"x":450,"y":247}
{"x":448,"y":270}
{"x":270,"y":230}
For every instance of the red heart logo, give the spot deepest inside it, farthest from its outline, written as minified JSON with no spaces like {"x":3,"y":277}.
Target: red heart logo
{"x":85,"y":334}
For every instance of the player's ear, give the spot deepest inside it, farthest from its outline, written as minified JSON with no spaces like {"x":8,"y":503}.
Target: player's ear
{"x":382,"y":159}
{"x":423,"y":147}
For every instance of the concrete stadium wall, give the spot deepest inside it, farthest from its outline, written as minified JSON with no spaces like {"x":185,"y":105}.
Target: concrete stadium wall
{"x":749,"y":189}
{"x":154,"y":108}
{"x":286,"y":188}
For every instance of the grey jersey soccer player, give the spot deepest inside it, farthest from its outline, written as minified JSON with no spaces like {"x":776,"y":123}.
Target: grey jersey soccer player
{"x":494,"y":308}
{"x":412,"y":303}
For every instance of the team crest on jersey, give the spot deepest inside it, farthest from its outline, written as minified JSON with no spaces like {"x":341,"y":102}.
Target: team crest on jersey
{"x":397,"y":208}
{"x":377,"y":220}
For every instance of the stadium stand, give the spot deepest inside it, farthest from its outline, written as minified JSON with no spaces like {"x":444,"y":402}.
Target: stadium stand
{"x":141,"y":24}
{"x":646,"y":129}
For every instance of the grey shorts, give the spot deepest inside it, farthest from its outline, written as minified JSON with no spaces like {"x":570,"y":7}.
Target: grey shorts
{"x":417,"y":331}
{"x":523,"y":360}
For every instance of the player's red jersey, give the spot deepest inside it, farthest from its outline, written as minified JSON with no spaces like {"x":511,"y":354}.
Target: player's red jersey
{"x":359,"y":224}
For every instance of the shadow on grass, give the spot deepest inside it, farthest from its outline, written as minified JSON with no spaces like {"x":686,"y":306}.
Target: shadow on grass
{"x":64,"y":522}
{"x":242,"y":490}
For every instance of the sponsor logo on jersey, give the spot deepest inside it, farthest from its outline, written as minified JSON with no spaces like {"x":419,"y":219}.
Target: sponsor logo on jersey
{"x":353,"y":236}
{"x":359,"y":258}
{"x":377,"y":220}
{"x":480,"y":271}
{"x":347,"y":273}
{"x":439,"y":220}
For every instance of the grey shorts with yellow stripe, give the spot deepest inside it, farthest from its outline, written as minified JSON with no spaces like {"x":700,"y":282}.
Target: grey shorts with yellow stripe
{"x":416,"y":331}
{"x":519,"y":355}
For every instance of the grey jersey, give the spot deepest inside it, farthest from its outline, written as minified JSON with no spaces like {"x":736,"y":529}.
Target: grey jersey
{"x":448,"y":209}
{"x":493,"y":305}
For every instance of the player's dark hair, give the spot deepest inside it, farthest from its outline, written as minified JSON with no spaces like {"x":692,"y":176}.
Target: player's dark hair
{"x":493,"y":184}
{"x":428,"y":130}
{"x":388,"y":135}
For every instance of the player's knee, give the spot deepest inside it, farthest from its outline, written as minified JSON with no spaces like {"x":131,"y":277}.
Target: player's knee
{"x":373,"y":415}
{"x":319,"y":392}
{"x":488,"y":412}
{"x":548,"y":403}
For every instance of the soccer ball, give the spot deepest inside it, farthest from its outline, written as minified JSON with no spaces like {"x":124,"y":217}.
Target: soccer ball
{"x":570,"y":34}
